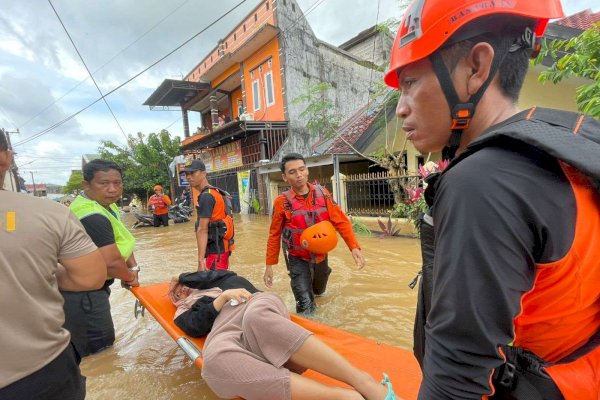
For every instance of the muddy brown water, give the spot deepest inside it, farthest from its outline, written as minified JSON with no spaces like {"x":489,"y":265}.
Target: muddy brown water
{"x":146,"y":364}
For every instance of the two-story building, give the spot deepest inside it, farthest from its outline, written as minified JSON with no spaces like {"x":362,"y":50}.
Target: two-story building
{"x":239,"y":97}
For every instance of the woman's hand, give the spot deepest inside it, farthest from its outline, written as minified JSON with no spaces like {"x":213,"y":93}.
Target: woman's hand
{"x":239,"y":295}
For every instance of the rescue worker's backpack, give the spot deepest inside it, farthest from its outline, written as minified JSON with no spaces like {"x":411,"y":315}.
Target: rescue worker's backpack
{"x":220,"y":227}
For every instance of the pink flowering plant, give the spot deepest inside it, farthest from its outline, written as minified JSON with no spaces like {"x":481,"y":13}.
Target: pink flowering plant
{"x":415,"y":204}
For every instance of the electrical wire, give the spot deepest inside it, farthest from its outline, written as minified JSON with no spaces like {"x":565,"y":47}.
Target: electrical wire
{"x":106,"y":63}
{"x":63,"y":121}
{"x":88,"y":71}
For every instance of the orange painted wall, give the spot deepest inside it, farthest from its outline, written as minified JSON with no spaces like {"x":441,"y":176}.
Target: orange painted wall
{"x":231,"y":70}
{"x":261,"y":15}
{"x":251,"y":65}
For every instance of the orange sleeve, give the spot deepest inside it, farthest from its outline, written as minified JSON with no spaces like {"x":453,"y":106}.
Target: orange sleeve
{"x":167,"y":200}
{"x":342,"y":224}
{"x":274,"y":240}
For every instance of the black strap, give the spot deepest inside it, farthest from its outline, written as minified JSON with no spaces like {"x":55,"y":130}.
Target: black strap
{"x":523,"y":377}
{"x":460,"y":121}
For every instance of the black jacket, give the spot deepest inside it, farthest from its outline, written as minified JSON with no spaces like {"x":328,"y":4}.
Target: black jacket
{"x":199,"y":319}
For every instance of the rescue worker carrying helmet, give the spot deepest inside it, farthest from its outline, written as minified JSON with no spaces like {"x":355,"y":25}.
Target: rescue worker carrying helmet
{"x":512,"y":308}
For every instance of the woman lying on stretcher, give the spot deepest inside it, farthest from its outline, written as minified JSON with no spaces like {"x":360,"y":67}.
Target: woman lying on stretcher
{"x":253,"y":350}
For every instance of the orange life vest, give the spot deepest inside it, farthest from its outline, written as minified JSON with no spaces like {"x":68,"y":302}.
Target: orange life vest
{"x":299,"y":217}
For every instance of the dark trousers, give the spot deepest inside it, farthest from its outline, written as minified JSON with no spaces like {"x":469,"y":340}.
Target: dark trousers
{"x":162,"y":219}
{"x":307,"y":279}
{"x":61,"y":379}
{"x":88,"y":319}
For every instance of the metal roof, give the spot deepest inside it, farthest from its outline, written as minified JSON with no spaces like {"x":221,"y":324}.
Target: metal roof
{"x":174,"y":93}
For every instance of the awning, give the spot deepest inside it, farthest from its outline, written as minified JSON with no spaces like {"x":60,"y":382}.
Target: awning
{"x":174,"y":93}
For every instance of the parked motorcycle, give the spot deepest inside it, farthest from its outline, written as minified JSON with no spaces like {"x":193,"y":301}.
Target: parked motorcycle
{"x":143,"y":220}
{"x":178,"y":213}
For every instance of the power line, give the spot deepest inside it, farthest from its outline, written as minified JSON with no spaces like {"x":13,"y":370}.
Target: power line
{"x":106,"y":63}
{"x":57,"y":124}
{"x":87,"y":69}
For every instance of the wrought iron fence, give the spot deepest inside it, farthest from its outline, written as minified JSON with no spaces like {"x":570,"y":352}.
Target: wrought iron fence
{"x":370,"y":194}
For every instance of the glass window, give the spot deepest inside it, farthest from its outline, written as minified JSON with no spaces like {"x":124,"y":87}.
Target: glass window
{"x":256,"y":94}
{"x":269,"y":91}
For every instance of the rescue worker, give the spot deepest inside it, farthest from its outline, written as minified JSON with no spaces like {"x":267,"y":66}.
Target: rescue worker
{"x":515,"y":300}
{"x":214,"y":225}
{"x":87,"y":314}
{"x":160,"y":202}
{"x":293,"y":211}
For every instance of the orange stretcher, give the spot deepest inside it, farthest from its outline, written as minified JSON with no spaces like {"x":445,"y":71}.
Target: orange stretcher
{"x":366,"y":354}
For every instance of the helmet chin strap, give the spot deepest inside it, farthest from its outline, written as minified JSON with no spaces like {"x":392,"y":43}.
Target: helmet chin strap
{"x":462,"y":113}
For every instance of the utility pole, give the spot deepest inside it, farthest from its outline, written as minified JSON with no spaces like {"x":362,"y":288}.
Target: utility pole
{"x":32,"y":181}
{"x":14,"y":169}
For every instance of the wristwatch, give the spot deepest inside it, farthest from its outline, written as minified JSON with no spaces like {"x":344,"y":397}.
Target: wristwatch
{"x":135,"y":268}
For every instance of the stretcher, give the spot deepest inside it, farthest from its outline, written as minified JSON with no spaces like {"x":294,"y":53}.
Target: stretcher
{"x":366,"y":354}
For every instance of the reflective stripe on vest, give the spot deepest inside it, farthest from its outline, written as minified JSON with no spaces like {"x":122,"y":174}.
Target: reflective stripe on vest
{"x":301,"y":218}
{"x":124,"y":240}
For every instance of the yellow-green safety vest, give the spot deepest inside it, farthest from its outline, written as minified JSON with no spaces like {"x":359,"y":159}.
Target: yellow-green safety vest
{"x":82,"y":207}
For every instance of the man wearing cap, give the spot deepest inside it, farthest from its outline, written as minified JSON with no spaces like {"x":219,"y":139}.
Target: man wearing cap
{"x":214,"y":226}
{"x":512,"y":306}
{"x":160,"y":203}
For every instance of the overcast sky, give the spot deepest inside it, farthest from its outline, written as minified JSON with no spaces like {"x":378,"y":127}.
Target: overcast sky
{"x":43,"y":81}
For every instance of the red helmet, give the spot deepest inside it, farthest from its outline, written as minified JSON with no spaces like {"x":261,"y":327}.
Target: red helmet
{"x":428,"y":24}
{"x":319,"y":238}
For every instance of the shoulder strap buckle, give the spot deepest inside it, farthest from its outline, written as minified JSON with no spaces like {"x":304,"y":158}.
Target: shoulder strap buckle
{"x":505,"y":375}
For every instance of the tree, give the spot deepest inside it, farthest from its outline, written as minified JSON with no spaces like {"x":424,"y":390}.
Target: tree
{"x":74,"y":184}
{"x":322,"y":118}
{"x":580,"y":57}
{"x":145,"y":161}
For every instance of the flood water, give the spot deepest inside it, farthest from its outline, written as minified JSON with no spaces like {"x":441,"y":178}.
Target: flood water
{"x":145,"y":363}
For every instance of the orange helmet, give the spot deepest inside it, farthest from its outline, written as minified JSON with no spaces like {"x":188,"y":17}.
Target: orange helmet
{"x":319,"y":238}
{"x":157,"y":187}
{"x":428,"y":24}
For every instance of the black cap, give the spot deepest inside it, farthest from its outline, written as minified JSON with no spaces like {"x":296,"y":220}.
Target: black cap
{"x":193,"y":165}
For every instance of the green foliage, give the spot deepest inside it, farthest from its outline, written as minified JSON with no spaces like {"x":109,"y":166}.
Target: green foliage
{"x":145,"y":161}
{"x":320,"y":112}
{"x":579,"y":57}
{"x":410,"y":210}
{"x":359,"y":227}
{"x":256,"y":205}
{"x":74,"y":184}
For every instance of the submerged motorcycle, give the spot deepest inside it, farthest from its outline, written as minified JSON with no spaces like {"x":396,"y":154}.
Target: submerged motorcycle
{"x":178,"y":213}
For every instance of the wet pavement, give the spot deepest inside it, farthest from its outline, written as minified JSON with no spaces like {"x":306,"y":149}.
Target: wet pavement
{"x":145,"y":363}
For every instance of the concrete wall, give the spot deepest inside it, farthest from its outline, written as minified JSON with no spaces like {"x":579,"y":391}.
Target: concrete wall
{"x":307,"y":60}
{"x":375,"y":49}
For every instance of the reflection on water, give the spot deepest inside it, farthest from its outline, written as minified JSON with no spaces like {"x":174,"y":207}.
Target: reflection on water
{"x":146,"y":364}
